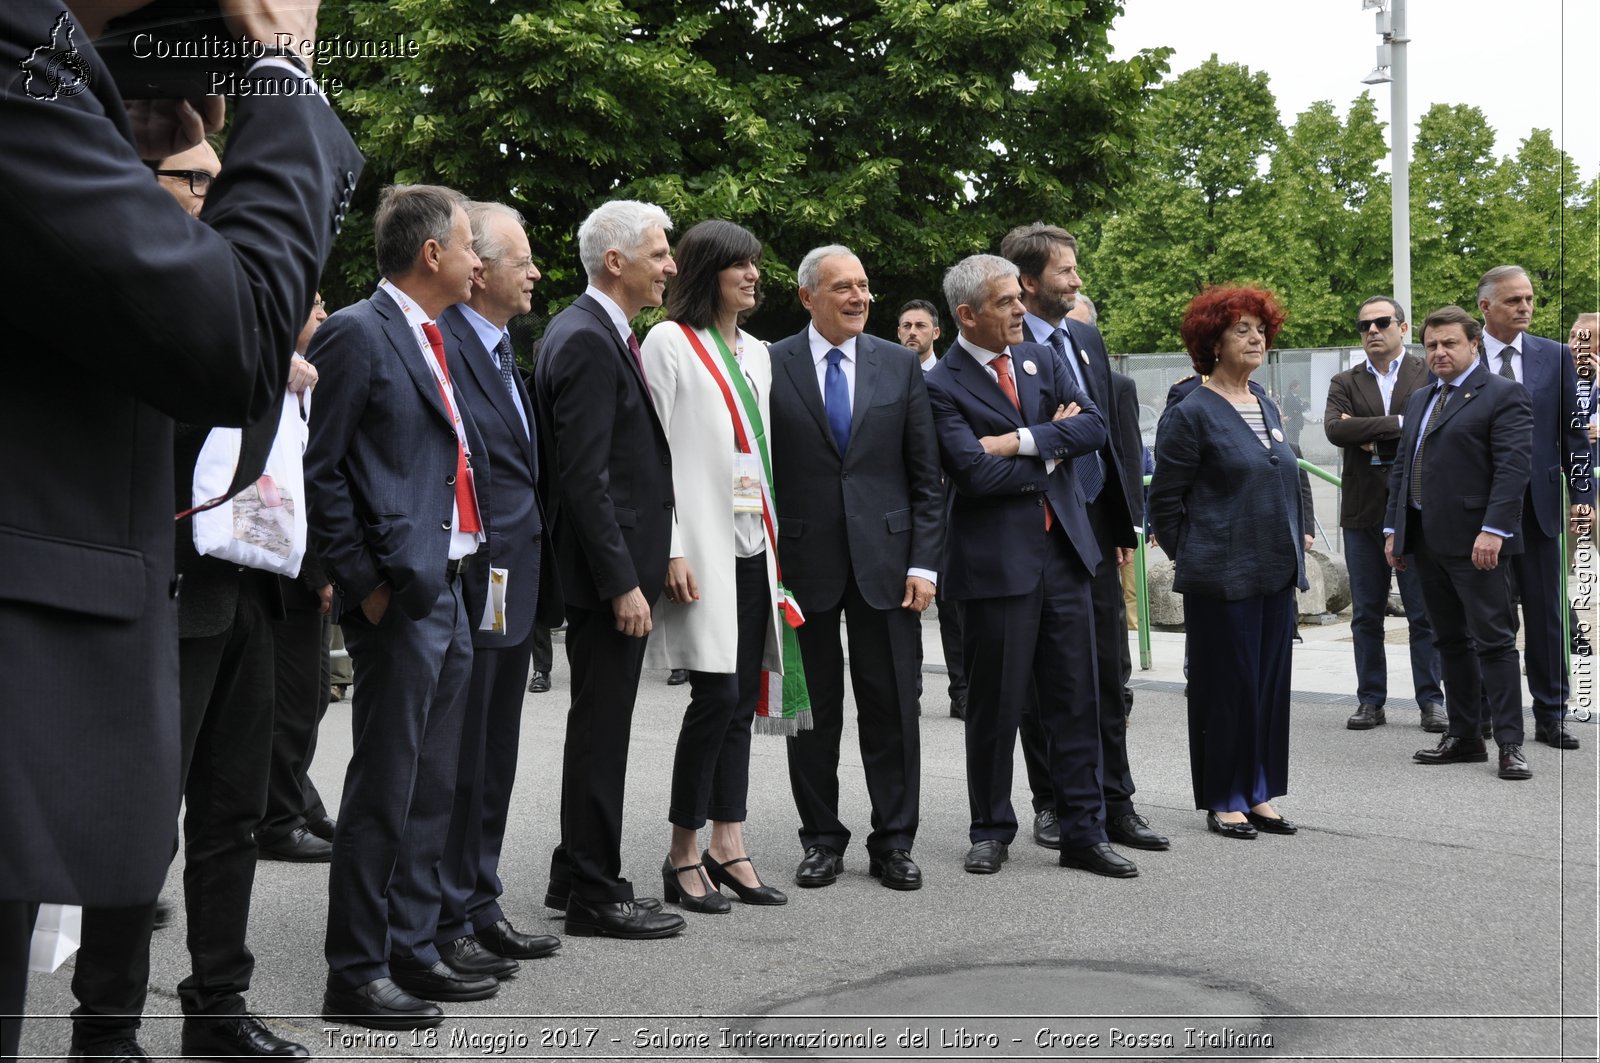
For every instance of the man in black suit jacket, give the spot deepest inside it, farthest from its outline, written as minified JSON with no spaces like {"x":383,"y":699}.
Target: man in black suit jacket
{"x":1365,"y":407}
{"x":856,"y":473}
{"x":1455,"y":510}
{"x":1560,"y":447}
{"x":609,"y":471}
{"x":1047,"y":258}
{"x":395,"y":513}
{"x":474,"y":935}
{"x":195,"y":321}
{"x":1020,"y":555}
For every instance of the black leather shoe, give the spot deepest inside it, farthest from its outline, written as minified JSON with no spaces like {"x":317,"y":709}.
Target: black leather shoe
{"x":678,"y":677}
{"x":958,"y":706}
{"x":1271,"y":824}
{"x":467,"y":957}
{"x":1133,"y":830}
{"x":503,"y":939}
{"x":1453,"y":750}
{"x":1434,"y":721}
{"x":539,"y":683}
{"x":235,"y":1036}
{"x":1366,"y":717}
{"x":710,"y":902}
{"x":112,"y":1050}
{"x":438,"y":981}
{"x":1513,"y":765}
{"x":1046,"y":831}
{"x":762,"y":894}
{"x":1556,"y":736}
{"x":299,"y":846}
{"x":1100,"y":859}
{"x":379,"y":1005}
{"x":619,"y":919}
{"x":322,"y":826}
{"x":1243,"y":831}
{"x":819,"y":867}
{"x":985,"y":857}
{"x":896,"y":870}
{"x":556,"y":895}
{"x":163,"y":915}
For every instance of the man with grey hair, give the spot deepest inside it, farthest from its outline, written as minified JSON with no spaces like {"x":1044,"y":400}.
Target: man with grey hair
{"x":1545,"y":368}
{"x":394,"y":516}
{"x":856,"y":473}
{"x":473,"y":935}
{"x":1021,"y":552}
{"x":1083,"y":311}
{"x":609,"y":471}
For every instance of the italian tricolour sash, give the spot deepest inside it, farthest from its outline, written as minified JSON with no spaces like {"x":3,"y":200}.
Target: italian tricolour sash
{"x":784,"y":704}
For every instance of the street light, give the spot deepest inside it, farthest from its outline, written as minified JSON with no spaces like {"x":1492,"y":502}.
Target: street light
{"x":1390,"y":68}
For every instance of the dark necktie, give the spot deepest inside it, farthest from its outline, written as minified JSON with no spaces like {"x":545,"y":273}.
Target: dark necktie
{"x":507,"y":360}
{"x":1416,"y":460}
{"x":1089,"y":468}
{"x":638,"y":357}
{"x":836,"y":397}
{"x":1008,"y":384}
{"x":1505,"y":363}
{"x":466,"y":497}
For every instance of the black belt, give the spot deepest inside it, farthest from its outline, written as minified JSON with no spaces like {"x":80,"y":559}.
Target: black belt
{"x":452,"y":569}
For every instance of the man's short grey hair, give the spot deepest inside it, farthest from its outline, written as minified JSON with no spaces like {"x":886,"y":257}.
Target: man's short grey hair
{"x":1081,"y":300}
{"x":811,"y":266}
{"x":484,"y":245}
{"x":621,"y":225}
{"x":964,"y":282}
{"x":1491,"y":280}
{"x":409,"y":216}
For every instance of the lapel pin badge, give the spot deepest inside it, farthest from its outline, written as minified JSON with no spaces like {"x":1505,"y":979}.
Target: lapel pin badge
{"x":1277,"y":434}
{"x":1029,"y":368}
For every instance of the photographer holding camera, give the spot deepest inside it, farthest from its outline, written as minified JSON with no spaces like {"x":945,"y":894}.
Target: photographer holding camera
{"x":125,"y":315}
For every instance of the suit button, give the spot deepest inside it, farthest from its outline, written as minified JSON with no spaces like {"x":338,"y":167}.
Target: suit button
{"x":666,"y":505}
{"x":450,"y":481}
{"x":175,"y":586}
{"x":844,"y":476}
{"x":445,"y":525}
{"x":1041,"y":500}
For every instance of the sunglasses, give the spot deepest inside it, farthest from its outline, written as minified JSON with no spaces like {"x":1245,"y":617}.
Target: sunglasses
{"x":1363,"y":324}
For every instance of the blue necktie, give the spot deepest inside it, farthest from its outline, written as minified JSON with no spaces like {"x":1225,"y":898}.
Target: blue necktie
{"x":1087,"y":467}
{"x":836,"y":396}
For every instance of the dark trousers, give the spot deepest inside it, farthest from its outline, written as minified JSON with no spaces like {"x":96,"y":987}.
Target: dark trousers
{"x":1036,"y":647}
{"x":711,"y":768}
{"x":605,"y":667}
{"x":469,"y":872}
{"x":1369,"y":597}
{"x":543,"y":651}
{"x":1113,"y":668}
{"x":885,"y":648}
{"x":302,"y":682}
{"x":383,"y":887}
{"x":1239,"y":667}
{"x":16,"y":937}
{"x":1473,"y":627}
{"x":950,"y":638}
{"x":1537,"y":571}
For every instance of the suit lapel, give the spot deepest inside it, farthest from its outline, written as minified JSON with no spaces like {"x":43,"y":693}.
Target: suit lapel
{"x":1463,"y":395}
{"x":410,"y":353}
{"x":971,"y":375}
{"x":617,"y":343}
{"x":1368,"y":392}
{"x":867,"y":373}
{"x":803,"y":375}
{"x":485,"y":370}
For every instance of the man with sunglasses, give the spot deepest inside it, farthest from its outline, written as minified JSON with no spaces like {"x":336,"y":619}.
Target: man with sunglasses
{"x":1364,"y":418}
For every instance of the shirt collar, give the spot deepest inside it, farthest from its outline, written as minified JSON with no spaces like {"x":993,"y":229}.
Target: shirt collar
{"x":1394,"y":366}
{"x":1492,"y":345}
{"x":413,"y":313}
{"x":487,"y":331}
{"x":820,"y":346}
{"x":1038,"y":326}
{"x":982,"y":354}
{"x":619,"y":320}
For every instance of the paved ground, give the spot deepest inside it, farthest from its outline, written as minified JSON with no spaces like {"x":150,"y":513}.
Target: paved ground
{"x":1421,"y":913}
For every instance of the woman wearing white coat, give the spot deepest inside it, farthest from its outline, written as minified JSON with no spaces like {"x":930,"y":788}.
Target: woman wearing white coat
{"x":719,"y":616}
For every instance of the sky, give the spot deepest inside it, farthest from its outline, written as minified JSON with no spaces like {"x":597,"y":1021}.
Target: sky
{"x":1526,"y":63}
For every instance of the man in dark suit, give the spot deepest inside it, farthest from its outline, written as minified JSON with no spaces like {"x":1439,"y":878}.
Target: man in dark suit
{"x":1047,"y":258}
{"x":609,"y":469}
{"x":194,"y":321}
{"x":1364,"y":415}
{"x":856,"y":473}
{"x":395,"y":513}
{"x":474,"y":935}
{"x":1455,"y":511}
{"x":1020,"y":555}
{"x":1545,"y":368}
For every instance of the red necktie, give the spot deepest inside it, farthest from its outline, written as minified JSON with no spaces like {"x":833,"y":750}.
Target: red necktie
{"x":466,"y":497}
{"x":1002,"y":370}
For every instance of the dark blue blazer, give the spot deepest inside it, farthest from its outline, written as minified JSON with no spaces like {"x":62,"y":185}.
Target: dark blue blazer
{"x":1559,"y":442}
{"x":515,"y":514}
{"x":1226,"y":509}
{"x":1474,"y":466}
{"x":994,"y":545}
{"x":381,"y":461}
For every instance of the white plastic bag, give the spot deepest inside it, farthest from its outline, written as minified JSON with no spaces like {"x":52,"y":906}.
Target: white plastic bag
{"x":263,"y":526}
{"x":56,"y":933}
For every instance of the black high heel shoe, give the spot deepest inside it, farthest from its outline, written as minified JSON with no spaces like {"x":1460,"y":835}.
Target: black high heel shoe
{"x":748,"y":894}
{"x":713,"y":903}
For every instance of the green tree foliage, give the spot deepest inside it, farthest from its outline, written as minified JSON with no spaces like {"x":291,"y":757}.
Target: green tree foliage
{"x":1458,"y":205}
{"x":915,"y":132}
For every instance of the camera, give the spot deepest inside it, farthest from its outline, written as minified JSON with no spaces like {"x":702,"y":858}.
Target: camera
{"x":171,"y":49}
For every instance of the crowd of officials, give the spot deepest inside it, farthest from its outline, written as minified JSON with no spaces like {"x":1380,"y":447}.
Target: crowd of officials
{"x":696,"y":500}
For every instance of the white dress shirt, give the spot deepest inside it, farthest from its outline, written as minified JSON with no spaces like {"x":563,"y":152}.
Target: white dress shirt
{"x":1491,"y":355}
{"x":489,"y":334}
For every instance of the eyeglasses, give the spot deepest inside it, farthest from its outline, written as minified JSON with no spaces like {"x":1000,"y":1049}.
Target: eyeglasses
{"x":1362,"y":325}
{"x":199,"y":180}
{"x":318,"y":302}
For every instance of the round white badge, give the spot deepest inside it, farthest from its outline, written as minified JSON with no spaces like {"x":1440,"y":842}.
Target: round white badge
{"x":1277,"y":434}
{"x":1029,"y":368}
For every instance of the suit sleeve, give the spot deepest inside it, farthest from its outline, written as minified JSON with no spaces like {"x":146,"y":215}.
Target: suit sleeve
{"x":1177,"y":463}
{"x":661,"y":350}
{"x":1353,"y":431}
{"x":342,"y":352}
{"x":921,"y":455}
{"x":1083,"y":433}
{"x":1511,"y":443}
